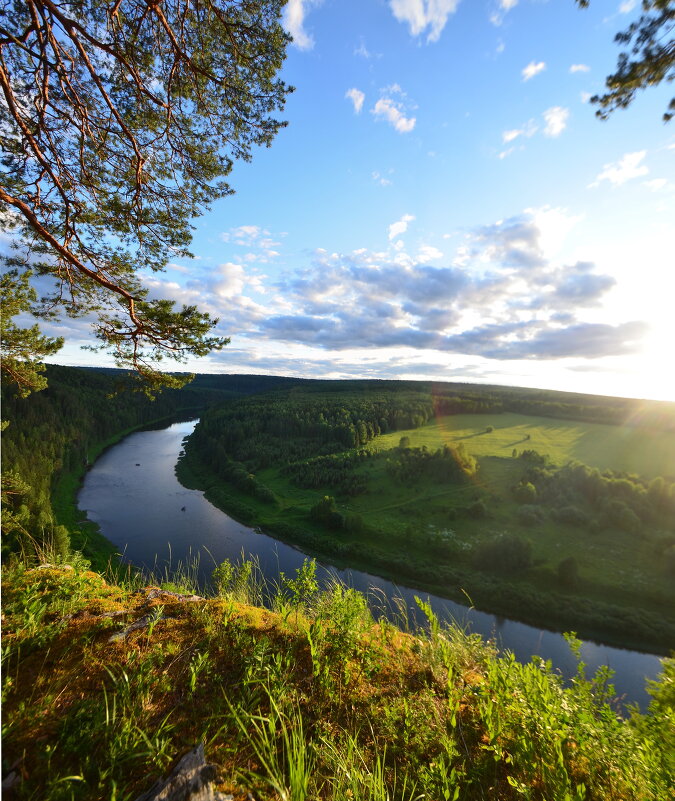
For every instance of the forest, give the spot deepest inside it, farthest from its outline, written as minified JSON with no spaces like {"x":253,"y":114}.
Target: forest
{"x":304,"y":692}
{"x":52,"y":436}
{"x":449,"y":488}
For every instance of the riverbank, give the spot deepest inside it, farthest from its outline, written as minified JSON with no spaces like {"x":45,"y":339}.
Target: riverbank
{"x":532,"y":603}
{"x":85,"y":535}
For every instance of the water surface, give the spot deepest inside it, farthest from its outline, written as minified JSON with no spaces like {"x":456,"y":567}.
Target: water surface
{"x":133,"y":494}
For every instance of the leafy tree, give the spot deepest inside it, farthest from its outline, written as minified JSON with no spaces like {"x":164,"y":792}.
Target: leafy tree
{"x":650,"y":60}
{"x":119,"y":123}
{"x":505,"y":553}
{"x":525,"y":492}
{"x":22,"y":348}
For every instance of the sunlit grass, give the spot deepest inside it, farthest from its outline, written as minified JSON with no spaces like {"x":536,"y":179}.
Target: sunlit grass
{"x":325,"y":703}
{"x":636,"y":450}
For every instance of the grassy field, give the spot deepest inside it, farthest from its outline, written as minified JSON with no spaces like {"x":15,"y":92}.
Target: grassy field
{"x":430,"y":530}
{"x":613,"y":564}
{"x":643,"y":451}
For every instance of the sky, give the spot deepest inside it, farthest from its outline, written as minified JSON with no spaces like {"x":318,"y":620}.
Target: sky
{"x":444,"y":204}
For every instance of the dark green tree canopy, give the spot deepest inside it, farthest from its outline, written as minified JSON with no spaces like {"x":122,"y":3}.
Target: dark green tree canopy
{"x":649,"y":60}
{"x":119,"y":122}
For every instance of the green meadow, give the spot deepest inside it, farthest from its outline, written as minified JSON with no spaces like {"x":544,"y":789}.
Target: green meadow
{"x":644,"y":451}
{"x":600,"y":562}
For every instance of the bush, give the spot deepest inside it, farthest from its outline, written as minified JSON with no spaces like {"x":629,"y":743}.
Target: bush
{"x":568,"y":572}
{"x":478,"y":510}
{"x":506,"y":553}
{"x":525,"y":492}
{"x":325,"y":512}
{"x":571,"y":515}
{"x":530,"y":515}
{"x":617,"y":513}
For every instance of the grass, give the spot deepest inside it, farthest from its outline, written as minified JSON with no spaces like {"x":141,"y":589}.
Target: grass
{"x":643,"y":451}
{"x":324,"y":703}
{"x":419,"y":532}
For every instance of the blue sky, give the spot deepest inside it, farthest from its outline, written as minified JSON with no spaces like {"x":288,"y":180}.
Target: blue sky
{"x":444,"y":204}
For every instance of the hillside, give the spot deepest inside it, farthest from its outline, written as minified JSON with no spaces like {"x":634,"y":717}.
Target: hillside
{"x":456,"y":491}
{"x":106,"y":684}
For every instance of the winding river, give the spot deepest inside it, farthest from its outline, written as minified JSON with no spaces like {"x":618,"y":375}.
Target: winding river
{"x":134,"y":496}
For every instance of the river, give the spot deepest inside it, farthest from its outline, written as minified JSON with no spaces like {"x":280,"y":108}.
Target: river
{"x":134,"y":496}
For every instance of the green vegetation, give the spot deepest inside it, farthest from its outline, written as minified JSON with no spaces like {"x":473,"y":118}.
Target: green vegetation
{"x":136,"y":116}
{"x":414,"y":485}
{"x":107,"y":683}
{"x":647,"y":451}
{"x":51,"y":438}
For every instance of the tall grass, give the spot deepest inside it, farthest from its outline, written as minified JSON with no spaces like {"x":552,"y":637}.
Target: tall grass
{"x":314,"y":697}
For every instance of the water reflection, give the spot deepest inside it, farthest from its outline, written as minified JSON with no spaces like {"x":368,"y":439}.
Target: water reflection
{"x":133,"y":494}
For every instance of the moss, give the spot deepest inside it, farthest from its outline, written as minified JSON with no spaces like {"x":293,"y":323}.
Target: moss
{"x":366,"y":700}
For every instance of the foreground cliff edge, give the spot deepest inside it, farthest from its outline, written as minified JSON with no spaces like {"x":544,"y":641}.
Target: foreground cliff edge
{"x":106,"y":685}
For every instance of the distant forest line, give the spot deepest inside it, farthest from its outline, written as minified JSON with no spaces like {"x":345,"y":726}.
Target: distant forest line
{"x":300,"y":457}
{"x":563,"y":545}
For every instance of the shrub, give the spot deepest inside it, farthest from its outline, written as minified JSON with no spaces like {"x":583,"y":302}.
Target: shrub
{"x":525,"y":492}
{"x":571,"y":515}
{"x":478,"y":510}
{"x":530,"y":515}
{"x":568,"y":572}
{"x":505,"y":553}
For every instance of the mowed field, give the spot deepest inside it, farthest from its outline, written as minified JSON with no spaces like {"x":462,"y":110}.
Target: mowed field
{"x":637,"y":450}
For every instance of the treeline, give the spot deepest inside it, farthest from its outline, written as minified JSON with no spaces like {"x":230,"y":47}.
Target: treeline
{"x":585,"y":496}
{"x":318,"y":418}
{"x":285,"y":427}
{"x":60,"y":430}
{"x":335,"y":470}
{"x":446,"y":464}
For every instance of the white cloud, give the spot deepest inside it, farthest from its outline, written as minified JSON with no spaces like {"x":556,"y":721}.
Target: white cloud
{"x":580,"y":68}
{"x":509,"y":136}
{"x":621,"y":171}
{"x":400,"y":226}
{"x":556,"y":120}
{"x":424,"y":14}
{"x":585,"y":97}
{"x":294,"y":20}
{"x":497,"y":17}
{"x":229,"y":280}
{"x":357,"y":97}
{"x":380,"y":179}
{"x":252,"y":236}
{"x":656,"y":184}
{"x":393,"y":110}
{"x":529,"y":129}
{"x":363,"y":51}
{"x":532,"y":69}
{"x":428,"y":253}
{"x":627,"y":6}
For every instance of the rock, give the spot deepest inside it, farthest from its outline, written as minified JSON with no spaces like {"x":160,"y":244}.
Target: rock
{"x":141,"y":623}
{"x":11,"y":781}
{"x":191,"y":780}
{"x":155,"y":592}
